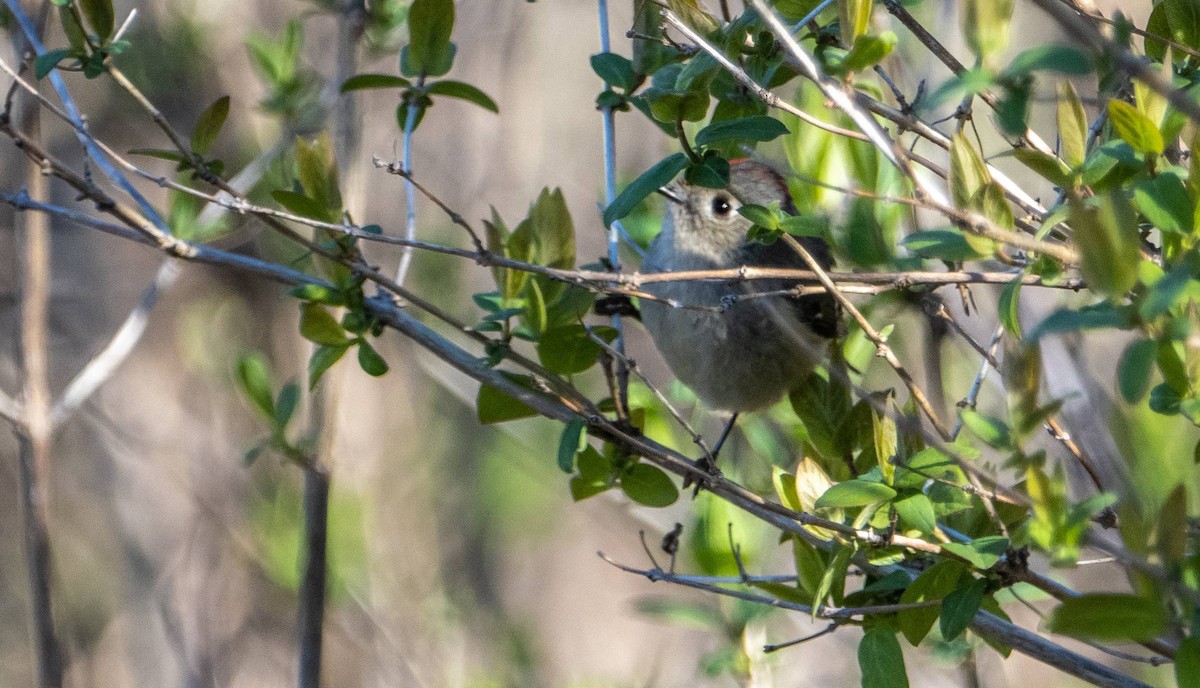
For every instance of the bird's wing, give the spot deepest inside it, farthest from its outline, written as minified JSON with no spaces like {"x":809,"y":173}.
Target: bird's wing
{"x":820,"y":312}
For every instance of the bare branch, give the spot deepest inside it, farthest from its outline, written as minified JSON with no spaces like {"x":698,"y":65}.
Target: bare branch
{"x":102,"y":366}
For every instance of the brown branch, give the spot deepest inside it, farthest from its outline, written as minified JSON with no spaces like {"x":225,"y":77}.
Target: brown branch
{"x":1077,"y":26}
{"x":881,"y":347}
{"x":34,"y":435}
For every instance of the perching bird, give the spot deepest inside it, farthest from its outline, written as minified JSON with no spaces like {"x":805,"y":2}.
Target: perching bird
{"x":741,"y":354}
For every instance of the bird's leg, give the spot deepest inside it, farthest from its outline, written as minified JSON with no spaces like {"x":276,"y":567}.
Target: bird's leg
{"x":709,"y":462}
{"x":724,"y":436}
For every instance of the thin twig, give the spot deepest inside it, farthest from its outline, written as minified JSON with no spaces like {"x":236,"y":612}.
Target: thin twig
{"x":632,"y":367}
{"x":102,"y":366}
{"x":763,"y":94}
{"x":881,"y":347}
{"x":1029,"y":137}
{"x":792,"y":643}
{"x":72,"y":112}
{"x":1082,"y":30}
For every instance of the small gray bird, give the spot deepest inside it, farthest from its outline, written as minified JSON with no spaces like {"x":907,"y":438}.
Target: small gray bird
{"x":752,"y":353}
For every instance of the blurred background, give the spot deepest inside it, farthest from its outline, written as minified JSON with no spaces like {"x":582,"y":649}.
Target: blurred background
{"x":458,"y":557}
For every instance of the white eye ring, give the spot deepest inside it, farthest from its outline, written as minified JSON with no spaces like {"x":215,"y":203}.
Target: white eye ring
{"x":721,"y":207}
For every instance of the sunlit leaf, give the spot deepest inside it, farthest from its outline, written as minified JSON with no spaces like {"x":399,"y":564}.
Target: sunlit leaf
{"x":1135,"y":128}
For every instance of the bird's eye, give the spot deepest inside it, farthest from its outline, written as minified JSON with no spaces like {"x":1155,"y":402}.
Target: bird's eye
{"x":721,"y":206}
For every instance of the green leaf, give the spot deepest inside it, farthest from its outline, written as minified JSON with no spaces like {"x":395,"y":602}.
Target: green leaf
{"x":1109,"y":617}
{"x":323,"y":358}
{"x":255,"y":380}
{"x":1046,"y":165}
{"x":319,"y":293}
{"x":867,"y":52}
{"x":1164,"y":399}
{"x":569,"y":444}
{"x":209,"y":125}
{"x":318,"y":325}
{"x":833,"y":578}
{"x":317,"y":172}
{"x":985,"y":24}
{"x":943,"y":244}
{"x":760,"y":215}
{"x":807,"y":485}
{"x":285,"y":405}
{"x":370,"y":360}
{"x":463,"y":91}
{"x":1095,"y":317}
{"x":991,"y":430}
{"x":567,"y":349}
{"x":1052,"y":57}
{"x":495,"y":406}
{"x":1135,"y":128}
{"x":1178,"y":20}
{"x":1008,"y":307}
{"x":917,"y":512}
{"x":1072,"y":125}
{"x":883,"y":431}
{"x":881,"y":660}
{"x":982,"y":553}
{"x":850,"y":493}
{"x":810,"y":566}
{"x":756,"y":128}
{"x":935,"y":583}
{"x":960,"y":606}
{"x":1187,"y":663}
{"x":649,"y":485}
{"x":1107,"y":238}
{"x":76,"y":36}
{"x":535,"y":308}
{"x":806,"y":225}
{"x":670,"y":105}
{"x":647,"y":183}
{"x":299,"y":204}
{"x":1133,"y":370}
{"x":1165,"y":203}
{"x":99,"y":14}
{"x":712,"y":172}
{"x":615,"y":70}
{"x":48,"y":61}
{"x":360,"y":82}
{"x":990,"y":201}
{"x":595,"y":473}
{"x":430,"y":23}
{"x":554,"y":233}
{"x":854,"y":18}
{"x":650,"y":51}
{"x":968,"y":174}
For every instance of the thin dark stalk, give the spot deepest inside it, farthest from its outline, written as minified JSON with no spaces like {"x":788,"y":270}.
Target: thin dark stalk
{"x":312,"y":580}
{"x":37,"y":562}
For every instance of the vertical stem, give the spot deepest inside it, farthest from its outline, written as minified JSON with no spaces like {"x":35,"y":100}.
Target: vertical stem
{"x":35,"y":436}
{"x":312,"y":581}
{"x":347,"y":120}
{"x":351,"y":18}
{"x":410,"y":192}
{"x":614,"y":232}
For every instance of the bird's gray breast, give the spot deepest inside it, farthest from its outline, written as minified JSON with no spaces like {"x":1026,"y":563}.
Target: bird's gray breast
{"x":736,"y":353}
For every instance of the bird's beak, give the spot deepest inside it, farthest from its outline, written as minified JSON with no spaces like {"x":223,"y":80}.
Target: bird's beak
{"x":671,"y":193}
